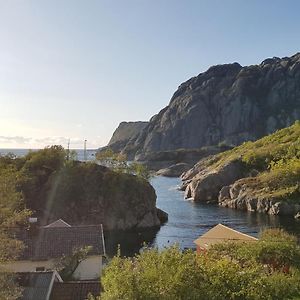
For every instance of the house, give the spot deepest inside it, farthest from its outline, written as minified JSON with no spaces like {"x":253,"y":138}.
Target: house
{"x":221,"y":233}
{"x":45,"y":245}
{"x":49,"y":286}
{"x":37,"y":285}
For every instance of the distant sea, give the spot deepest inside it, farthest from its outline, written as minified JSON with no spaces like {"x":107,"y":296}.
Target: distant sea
{"x":187,"y":220}
{"x":80,"y":152}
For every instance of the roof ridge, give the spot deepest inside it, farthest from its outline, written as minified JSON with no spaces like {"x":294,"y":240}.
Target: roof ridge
{"x":239,"y":232}
{"x":73,"y":226}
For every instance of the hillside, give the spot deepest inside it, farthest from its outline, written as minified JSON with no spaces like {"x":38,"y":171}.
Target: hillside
{"x":261,"y":176}
{"x":227,"y":104}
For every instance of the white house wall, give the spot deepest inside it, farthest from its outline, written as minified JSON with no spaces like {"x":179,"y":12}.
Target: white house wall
{"x":90,"y":268}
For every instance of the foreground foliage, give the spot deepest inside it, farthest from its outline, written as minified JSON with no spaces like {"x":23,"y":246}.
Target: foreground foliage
{"x":12,"y":215}
{"x":267,"y":269}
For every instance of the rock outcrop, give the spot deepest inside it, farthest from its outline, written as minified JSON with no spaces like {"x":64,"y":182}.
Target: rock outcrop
{"x":227,"y":104}
{"x":92,"y":194}
{"x":206,"y":184}
{"x":95,"y":194}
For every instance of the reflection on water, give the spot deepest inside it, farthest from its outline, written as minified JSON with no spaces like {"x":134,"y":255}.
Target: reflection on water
{"x":130,"y":241}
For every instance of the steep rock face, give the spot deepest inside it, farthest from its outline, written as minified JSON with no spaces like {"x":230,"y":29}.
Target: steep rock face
{"x":124,"y":133}
{"x":227,"y":103}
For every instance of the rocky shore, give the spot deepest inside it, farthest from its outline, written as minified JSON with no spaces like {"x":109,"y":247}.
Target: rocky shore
{"x":261,"y":176}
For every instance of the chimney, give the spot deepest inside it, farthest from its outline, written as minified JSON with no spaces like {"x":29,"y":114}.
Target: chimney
{"x":33,"y":226}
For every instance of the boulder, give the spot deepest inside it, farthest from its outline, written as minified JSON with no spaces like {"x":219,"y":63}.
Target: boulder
{"x":174,"y":170}
{"x":207,"y":184}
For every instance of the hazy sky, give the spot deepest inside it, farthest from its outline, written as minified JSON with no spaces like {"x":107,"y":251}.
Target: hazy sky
{"x":76,"y":69}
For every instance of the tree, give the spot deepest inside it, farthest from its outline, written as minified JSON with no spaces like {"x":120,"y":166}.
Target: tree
{"x":12,"y":215}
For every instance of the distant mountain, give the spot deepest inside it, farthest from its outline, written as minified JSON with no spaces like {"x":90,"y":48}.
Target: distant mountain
{"x":228,"y":104}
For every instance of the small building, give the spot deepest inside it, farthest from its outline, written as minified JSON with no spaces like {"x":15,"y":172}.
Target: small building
{"x":45,"y":245}
{"x":37,"y":285}
{"x":49,"y":286}
{"x":221,"y":233}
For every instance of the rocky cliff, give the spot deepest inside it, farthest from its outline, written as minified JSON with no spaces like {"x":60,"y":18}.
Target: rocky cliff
{"x":227,"y":104}
{"x":124,"y":133}
{"x":260,"y":176}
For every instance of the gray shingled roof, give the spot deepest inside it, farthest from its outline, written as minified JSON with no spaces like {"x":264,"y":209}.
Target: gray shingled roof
{"x":78,"y":290}
{"x":36,"y":285}
{"x":53,"y":242}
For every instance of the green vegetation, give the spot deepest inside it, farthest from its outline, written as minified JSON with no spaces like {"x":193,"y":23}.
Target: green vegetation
{"x":12,"y":215}
{"x":118,"y":162}
{"x":276,"y":158}
{"x":267,"y":269}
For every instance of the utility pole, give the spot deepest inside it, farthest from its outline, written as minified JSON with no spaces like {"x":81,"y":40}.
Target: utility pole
{"x":84,"y":151}
{"x":68,"y":151}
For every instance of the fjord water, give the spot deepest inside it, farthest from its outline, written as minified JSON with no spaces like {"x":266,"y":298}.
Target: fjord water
{"x":188,"y":220}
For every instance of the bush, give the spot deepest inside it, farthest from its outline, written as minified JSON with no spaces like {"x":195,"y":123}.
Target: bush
{"x":228,"y":271}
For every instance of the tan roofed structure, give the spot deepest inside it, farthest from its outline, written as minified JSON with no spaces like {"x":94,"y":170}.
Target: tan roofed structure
{"x":221,"y":233}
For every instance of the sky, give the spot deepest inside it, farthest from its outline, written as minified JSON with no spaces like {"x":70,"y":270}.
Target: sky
{"x":73,"y":69}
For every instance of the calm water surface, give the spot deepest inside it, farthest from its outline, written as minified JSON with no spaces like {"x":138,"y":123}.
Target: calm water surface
{"x":188,"y":220}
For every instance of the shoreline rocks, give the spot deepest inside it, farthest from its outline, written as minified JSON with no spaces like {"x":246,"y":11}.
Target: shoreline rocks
{"x":230,"y":185}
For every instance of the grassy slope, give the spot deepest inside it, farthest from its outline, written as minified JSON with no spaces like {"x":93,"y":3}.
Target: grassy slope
{"x":276,"y":158}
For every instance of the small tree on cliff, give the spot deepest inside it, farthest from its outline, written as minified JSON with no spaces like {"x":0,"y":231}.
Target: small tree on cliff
{"x":118,"y":162}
